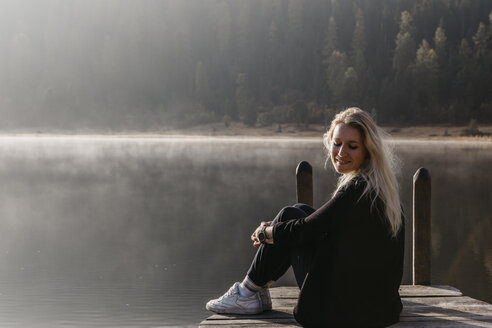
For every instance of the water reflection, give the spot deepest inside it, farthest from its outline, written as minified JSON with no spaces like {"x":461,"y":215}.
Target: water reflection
{"x":141,"y":232}
{"x":461,"y":207}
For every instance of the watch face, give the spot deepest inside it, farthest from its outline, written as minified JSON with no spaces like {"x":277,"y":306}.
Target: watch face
{"x":261,"y":236}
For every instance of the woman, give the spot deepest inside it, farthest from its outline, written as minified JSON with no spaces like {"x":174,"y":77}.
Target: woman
{"x":347,"y":256}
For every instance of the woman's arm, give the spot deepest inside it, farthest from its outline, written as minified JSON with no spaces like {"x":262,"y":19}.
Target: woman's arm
{"x":315,"y":226}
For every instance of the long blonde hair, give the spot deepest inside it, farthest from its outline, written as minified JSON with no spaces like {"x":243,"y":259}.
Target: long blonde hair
{"x":378,"y":169}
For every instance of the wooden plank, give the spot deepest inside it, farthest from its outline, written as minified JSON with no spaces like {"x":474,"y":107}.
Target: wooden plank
{"x":284,"y":302}
{"x":443,"y":323}
{"x":304,"y":183}
{"x":421,"y":321}
{"x":476,"y":317}
{"x":405,"y":291}
{"x":421,"y":227}
{"x":428,"y":291}
{"x":290,"y":321}
{"x":265,"y":315}
{"x":444,"y":313}
{"x":461,"y":303}
{"x":450,"y":321}
{"x":284,"y":292}
{"x":256,"y":325}
{"x":250,"y":324}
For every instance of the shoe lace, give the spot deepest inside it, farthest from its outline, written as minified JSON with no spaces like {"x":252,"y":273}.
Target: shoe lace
{"x":230,"y":292}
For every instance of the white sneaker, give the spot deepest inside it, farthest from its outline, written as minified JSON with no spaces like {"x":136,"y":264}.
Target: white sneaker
{"x":232,"y":302}
{"x":266,"y":299}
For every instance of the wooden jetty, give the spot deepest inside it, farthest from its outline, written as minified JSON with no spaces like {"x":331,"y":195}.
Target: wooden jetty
{"x":424,"y":305}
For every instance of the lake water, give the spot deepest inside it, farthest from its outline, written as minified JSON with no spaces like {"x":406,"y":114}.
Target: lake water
{"x":111,"y":232}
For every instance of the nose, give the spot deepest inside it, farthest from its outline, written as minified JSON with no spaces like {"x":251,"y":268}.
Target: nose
{"x":342,"y":151}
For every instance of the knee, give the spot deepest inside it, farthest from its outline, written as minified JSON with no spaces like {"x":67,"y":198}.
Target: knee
{"x":290,"y":213}
{"x":306,"y":208}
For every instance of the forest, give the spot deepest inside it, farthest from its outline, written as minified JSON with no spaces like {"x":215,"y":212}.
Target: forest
{"x":153,"y":65}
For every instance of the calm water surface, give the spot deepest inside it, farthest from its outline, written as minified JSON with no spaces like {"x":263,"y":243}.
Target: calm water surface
{"x":115,"y":232}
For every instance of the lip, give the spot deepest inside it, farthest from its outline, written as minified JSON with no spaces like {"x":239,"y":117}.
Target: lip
{"x":342,"y":162}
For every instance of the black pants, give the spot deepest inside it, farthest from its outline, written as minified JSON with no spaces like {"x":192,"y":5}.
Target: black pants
{"x":272,"y":261}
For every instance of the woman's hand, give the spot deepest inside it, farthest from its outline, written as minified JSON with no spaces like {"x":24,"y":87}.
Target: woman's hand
{"x":254,"y":236}
{"x":268,"y":232}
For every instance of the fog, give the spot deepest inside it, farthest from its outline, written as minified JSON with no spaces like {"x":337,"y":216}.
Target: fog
{"x":91,"y":63}
{"x":150,"y":65}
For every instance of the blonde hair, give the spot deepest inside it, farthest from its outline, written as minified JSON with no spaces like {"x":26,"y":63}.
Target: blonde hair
{"x":378,"y":169}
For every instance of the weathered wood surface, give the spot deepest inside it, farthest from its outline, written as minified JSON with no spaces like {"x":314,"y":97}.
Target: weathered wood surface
{"x":421,"y":227}
{"x":304,"y":183}
{"x":423,"y":306}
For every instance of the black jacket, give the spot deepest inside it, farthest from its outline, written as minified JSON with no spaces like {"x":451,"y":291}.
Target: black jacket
{"x":358,"y":266}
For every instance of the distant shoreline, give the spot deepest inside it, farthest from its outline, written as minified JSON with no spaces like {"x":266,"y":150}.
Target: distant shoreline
{"x":285,"y":131}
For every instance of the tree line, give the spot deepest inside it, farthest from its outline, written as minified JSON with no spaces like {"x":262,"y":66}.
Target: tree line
{"x":154,"y":64}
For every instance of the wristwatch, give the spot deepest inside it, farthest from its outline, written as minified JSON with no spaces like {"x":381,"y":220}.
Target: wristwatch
{"x":262,"y":235}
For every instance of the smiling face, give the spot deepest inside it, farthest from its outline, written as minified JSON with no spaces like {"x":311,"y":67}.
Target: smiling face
{"x":347,"y":149}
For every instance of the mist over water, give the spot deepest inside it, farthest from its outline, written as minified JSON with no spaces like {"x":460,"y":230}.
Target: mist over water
{"x":142,"y":232}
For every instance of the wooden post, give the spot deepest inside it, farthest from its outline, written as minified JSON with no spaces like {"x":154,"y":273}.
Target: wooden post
{"x":304,"y":183}
{"x":421,"y":227}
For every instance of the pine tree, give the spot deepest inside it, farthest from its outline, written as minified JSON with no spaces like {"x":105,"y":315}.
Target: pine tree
{"x":359,"y":43}
{"x":356,"y":79}
{"x":405,"y":45}
{"x":331,"y":39}
{"x":244,"y":104}
{"x":223,"y":27}
{"x":335,"y":72}
{"x":274,"y":65}
{"x":401,"y":91}
{"x":295,"y":41}
{"x":426,"y":60}
{"x":351,"y":87}
{"x":481,"y":43}
{"x":440,"y":44}
{"x":464,"y":60}
{"x":463,"y":87}
{"x":330,"y":45}
{"x":443,"y":73}
{"x":425,"y":74}
{"x":482,"y":80}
